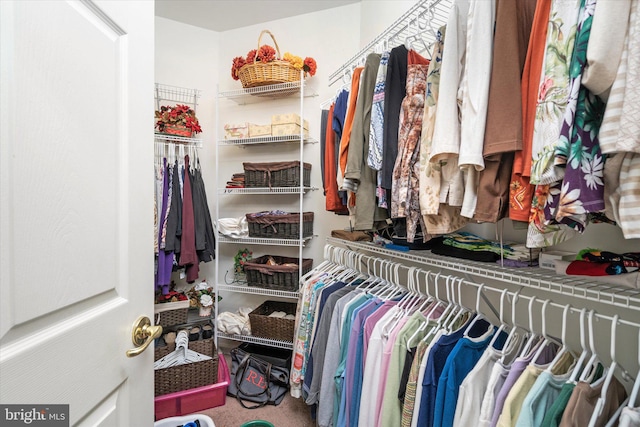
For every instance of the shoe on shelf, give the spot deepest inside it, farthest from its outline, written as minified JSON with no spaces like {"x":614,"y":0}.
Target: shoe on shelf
{"x":207,"y":331}
{"x":194,"y":333}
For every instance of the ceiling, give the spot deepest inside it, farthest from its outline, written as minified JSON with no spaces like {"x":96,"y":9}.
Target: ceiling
{"x":223,"y":15}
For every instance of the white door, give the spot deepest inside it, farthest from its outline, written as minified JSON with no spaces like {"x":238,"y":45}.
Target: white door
{"x":76,"y":206}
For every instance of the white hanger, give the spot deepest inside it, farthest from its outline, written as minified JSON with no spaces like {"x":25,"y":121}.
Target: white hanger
{"x":479,"y":315}
{"x":597,"y":411}
{"x":592,"y":364}
{"x":181,"y":355}
{"x":585,"y":350}
{"x":565,"y":347}
{"x":633,"y":398}
{"x":547,"y":339}
{"x":503,"y":324}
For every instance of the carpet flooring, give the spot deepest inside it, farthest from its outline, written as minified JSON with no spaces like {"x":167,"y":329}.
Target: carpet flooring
{"x":290,"y":412}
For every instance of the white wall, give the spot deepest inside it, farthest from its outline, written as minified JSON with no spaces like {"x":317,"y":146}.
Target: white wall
{"x":187,"y":56}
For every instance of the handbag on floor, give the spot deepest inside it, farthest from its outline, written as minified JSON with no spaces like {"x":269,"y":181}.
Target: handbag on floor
{"x":256,"y":380}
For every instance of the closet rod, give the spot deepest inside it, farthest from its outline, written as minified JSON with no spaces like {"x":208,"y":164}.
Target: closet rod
{"x":435,"y":11}
{"x":350,"y":259}
{"x":535,"y":278}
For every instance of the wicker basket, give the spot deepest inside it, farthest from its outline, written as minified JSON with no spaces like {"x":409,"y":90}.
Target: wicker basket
{"x":275,"y":328}
{"x":171,"y":313}
{"x":189,"y":375}
{"x":276,"y":174}
{"x":287,"y":226}
{"x":274,"y":72}
{"x":282,"y":277}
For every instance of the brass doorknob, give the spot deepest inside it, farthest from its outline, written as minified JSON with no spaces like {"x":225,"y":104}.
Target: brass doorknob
{"x":143,"y":334}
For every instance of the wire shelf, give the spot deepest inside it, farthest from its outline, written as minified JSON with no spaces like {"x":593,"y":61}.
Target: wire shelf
{"x":177,"y":94}
{"x":162,"y":138}
{"x":287,"y":345}
{"x":265,"y":93}
{"x":265,"y":190}
{"x":268,"y":140}
{"x":265,"y":241}
{"x":537,"y":278}
{"x":254,"y":290}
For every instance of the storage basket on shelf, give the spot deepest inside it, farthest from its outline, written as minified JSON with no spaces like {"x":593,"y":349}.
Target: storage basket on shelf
{"x":171,"y":313}
{"x":283,"y":275}
{"x":276,"y":174}
{"x":279,"y":225}
{"x":188,"y":375}
{"x":267,"y":73}
{"x":276,"y":328}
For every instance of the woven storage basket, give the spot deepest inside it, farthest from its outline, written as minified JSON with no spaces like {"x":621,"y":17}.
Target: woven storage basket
{"x":267,"y":73}
{"x":276,"y":174}
{"x":282,"y":277}
{"x":285,"y":226}
{"x":171,"y":313}
{"x":189,"y":375}
{"x":275,"y":328}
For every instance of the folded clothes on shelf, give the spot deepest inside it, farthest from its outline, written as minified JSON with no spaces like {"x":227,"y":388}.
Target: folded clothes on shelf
{"x":236,"y":228}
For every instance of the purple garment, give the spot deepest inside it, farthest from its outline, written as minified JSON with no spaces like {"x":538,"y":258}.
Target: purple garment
{"x":165,"y":259}
{"x":188,"y":255}
{"x":371,"y":321}
{"x":354,"y":368}
{"x":384,"y":367}
{"x":517,"y":368}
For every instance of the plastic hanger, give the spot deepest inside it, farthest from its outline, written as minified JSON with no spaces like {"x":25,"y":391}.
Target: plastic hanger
{"x":585,"y":350}
{"x":462,"y":310}
{"x":503,"y":324}
{"x":479,"y":315}
{"x":181,"y":355}
{"x":592,"y":364}
{"x":565,"y":347}
{"x":547,"y":340}
{"x":633,"y":398}
{"x":437,"y":303}
{"x":597,"y":411}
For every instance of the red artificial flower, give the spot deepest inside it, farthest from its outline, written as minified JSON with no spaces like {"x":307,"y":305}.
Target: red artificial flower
{"x":266,"y":53}
{"x":310,"y":65}
{"x":238,"y":62}
{"x":251,"y":56}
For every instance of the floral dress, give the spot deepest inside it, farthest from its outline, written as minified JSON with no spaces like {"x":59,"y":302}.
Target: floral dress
{"x":553,"y":98}
{"x":578,"y":151}
{"x":405,"y":199}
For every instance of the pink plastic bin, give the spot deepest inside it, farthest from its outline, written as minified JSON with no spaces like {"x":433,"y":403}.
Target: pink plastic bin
{"x":195,"y":399}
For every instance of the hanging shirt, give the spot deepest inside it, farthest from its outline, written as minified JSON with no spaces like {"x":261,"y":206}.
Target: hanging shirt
{"x":583,"y":401}
{"x":542,"y":395}
{"x":460,"y":362}
{"x":521,"y":191}
{"x":395,"y":90}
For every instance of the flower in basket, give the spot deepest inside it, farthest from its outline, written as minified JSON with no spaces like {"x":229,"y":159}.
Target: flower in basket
{"x":202,"y":295}
{"x":178,"y":115}
{"x":241,"y":259}
{"x":266,"y":54}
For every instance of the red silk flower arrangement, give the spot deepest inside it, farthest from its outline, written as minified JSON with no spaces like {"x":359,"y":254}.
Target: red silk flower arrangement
{"x":267,"y":54}
{"x":178,"y":115}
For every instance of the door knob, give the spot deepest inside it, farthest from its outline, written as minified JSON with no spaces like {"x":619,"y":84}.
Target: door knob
{"x":143,"y":334}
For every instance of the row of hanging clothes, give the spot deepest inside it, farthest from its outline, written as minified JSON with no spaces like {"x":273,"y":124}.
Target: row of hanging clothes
{"x":518,"y":110}
{"x":370,"y":352}
{"x":183,"y":230}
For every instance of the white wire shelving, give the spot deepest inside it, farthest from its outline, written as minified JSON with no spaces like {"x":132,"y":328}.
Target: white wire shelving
{"x":259,"y":93}
{"x":163,"y":138}
{"x":536,"y":278}
{"x":287,"y":345}
{"x":265,"y":241}
{"x":254,"y":290}
{"x":265,"y":190}
{"x":176,"y":94}
{"x":282,"y":139}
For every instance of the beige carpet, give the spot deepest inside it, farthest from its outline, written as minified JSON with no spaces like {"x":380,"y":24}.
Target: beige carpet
{"x":289,"y":413}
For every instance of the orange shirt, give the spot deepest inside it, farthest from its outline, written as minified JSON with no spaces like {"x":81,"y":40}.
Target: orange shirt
{"x":348,"y":121}
{"x":521,"y":192}
{"x":333,"y":202}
